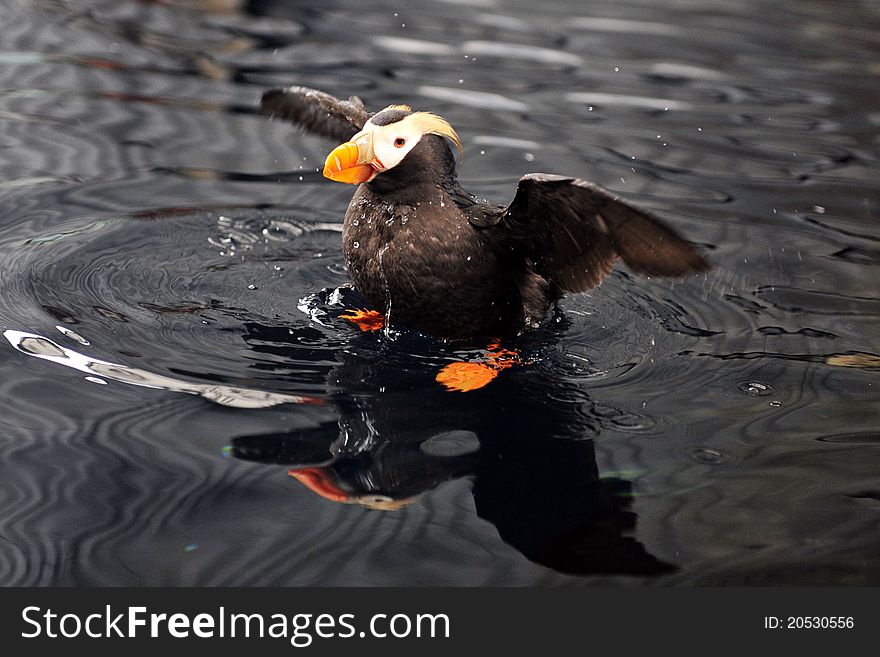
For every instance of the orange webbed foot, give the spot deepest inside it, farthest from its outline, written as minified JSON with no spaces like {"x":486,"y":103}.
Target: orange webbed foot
{"x":466,"y":376}
{"x":365,"y":320}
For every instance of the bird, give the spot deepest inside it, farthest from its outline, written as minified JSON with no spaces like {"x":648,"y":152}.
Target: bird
{"x":428,"y":255}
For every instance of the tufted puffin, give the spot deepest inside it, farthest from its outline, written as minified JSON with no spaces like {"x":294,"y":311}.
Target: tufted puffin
{"x":431,"y":257}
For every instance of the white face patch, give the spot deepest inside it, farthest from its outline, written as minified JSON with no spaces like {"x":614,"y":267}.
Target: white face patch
{"x":392,"y":142}
{"x":384,"y":146}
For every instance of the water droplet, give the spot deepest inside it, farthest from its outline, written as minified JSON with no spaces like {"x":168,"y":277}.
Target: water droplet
{"x":708,"y":455}
{"x":469,"y":258}
{"x":589,"y":108}
{"x":357,"y":245}
{"x":776,"y":404}
{"x":482,"y":152}
{"x":277,"y":267}
{"x":754,"y":388}
{"x":252,"y":287}
{"x":356,"y":222}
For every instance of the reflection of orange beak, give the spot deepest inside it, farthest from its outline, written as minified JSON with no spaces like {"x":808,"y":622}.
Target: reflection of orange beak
{"x":349,"y":162}
{"x":318,"y":481}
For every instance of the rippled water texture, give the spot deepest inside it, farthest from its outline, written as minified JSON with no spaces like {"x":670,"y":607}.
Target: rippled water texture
{"x":171,"y":290}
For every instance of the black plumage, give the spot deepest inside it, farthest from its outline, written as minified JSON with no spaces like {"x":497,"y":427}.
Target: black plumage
{"x":430,"y":257}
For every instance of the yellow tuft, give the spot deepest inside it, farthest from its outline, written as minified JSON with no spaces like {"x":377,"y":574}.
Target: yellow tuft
{"x":402,"y":108}
{"x":432,"y":124}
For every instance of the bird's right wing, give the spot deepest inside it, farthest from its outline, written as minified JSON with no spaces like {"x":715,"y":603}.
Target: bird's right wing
{"x":316,"y":111}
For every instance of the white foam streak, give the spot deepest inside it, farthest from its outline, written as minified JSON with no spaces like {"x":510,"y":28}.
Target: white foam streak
{"x":43,"y":348}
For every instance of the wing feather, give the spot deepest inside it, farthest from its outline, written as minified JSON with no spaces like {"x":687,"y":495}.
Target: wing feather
{"x":316,"y":111}
{"x":573,"y":231}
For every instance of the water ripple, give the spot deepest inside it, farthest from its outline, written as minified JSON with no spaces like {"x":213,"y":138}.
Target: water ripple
{"x":159,"y":236}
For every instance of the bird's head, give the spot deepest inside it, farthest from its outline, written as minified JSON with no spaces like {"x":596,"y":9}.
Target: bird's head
{"x":387,"y":139}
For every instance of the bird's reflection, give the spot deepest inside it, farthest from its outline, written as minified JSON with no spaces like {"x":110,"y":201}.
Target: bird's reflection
{"x":524,"y":443}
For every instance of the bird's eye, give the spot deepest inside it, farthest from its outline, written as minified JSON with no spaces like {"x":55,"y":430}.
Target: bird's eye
{"x":399,"y":142}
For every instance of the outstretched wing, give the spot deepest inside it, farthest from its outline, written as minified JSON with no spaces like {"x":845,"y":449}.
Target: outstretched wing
{"x":573,"y":230}
{"x":316,"y":111}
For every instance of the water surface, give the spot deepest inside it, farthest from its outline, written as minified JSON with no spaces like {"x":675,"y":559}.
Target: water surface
{"x":172,"y":281}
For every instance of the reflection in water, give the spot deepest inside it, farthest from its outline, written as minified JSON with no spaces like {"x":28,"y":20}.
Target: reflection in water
{"x":148,"y":210}
{"x":529,"y":454}
{"x":45,"y":349}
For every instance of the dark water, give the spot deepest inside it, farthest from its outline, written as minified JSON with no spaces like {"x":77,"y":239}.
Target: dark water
{"x":173,"y":346}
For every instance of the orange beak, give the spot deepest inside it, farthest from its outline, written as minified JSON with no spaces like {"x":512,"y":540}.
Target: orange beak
{"x":350,"y":162}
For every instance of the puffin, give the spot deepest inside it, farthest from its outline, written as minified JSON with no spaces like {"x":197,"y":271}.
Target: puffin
{"x":428,"y":255}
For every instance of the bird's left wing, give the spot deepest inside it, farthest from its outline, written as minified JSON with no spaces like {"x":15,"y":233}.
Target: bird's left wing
{"x":316,"y":111}
{"x":573,"y":230}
